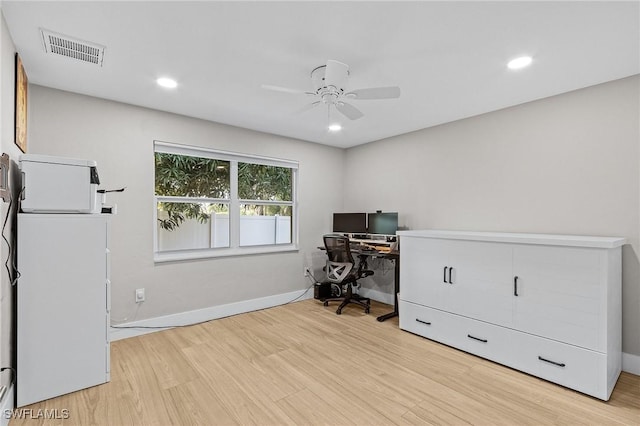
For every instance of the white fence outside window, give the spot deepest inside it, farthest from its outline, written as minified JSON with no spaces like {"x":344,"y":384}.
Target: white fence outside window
{"x":214,"y":233}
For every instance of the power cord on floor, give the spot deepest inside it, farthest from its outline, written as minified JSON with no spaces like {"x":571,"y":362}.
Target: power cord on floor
{"x":160,"y":327}
{"x":303,"y":293}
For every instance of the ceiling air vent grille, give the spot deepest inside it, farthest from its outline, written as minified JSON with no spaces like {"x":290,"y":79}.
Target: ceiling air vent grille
{"x":70,"y":47}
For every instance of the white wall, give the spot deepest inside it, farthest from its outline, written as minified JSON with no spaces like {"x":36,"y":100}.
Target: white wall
{"x":120,"y":138}
{"x":7,"y":145}
{"x":568,"y":164}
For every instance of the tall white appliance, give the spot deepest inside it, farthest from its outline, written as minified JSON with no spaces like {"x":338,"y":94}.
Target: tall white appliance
{"x":63,"y":303}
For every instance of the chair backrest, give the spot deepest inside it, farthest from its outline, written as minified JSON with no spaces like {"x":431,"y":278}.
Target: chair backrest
{"x":340,"y":262}
{"x":338,"y":248}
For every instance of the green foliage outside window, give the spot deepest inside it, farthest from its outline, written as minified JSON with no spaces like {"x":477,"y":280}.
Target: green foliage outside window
{"x":260,"y":182}
{"x":195,"y":177}
{"x":186,"y":176}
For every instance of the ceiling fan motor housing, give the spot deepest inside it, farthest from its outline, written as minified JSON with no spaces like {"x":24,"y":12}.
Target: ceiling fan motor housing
{"x":334,"y":88}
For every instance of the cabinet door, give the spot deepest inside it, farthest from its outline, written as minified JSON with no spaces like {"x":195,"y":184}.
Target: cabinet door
{"x":562,"y":294}
{"x":481,"y":281}
{"x":422,"y":270}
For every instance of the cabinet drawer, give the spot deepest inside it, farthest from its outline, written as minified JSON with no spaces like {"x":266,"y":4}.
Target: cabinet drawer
{"x":571,"y":366}
{"x":423,"y":321}
{"x":476,"y":337}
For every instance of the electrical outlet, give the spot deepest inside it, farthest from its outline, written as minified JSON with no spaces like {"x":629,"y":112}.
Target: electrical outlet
{"x":139,"y":295}
{"x":307,"y":272}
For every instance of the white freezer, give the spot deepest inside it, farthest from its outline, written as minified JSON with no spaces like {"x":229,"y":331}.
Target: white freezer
{"x":62,"y":304}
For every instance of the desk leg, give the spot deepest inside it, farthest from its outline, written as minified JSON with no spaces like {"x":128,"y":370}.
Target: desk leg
{"x":396,"y":290}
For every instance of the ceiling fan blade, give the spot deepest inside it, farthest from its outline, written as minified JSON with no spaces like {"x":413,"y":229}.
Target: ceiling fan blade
{"x":286,"y":90}
{"x":375,"y":93}
{"x":308,"y":107}
{"x":349,"y":111}
{"x":335,"y":74}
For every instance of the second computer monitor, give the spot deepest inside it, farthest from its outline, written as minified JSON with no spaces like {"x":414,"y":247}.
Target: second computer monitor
{"x":383,"y":223}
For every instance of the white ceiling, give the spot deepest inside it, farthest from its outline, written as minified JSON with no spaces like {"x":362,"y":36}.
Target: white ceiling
{"x":449,"y":58}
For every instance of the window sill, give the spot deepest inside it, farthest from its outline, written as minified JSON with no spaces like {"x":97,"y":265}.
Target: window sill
{"x":176,"y":256}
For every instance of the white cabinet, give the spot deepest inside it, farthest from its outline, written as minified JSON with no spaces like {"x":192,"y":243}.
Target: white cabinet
{"x":62,"y":304}
{"x":457,"y":276}
{"x":562,"y":294}
{"x":479,"y":280}
{"x":549,"y":305}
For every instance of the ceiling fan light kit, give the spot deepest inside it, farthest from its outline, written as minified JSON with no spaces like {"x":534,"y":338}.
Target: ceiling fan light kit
{"x":520,"y":62}
{"x":329,"y":83}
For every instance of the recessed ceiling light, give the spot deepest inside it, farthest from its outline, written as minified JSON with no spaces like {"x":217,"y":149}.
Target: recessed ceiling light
{"x":521,"y":62}
{"x":169,"y":83}
{"x":335,"y":127}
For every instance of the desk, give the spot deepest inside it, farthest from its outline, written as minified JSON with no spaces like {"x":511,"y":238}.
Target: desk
{"x":395,"y":256}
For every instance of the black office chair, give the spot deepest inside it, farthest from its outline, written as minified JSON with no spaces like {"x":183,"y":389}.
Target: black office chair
{"x":342,"y":271}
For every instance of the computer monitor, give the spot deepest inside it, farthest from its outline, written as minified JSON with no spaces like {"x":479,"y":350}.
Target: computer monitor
{"x":350,"y":223}
{"x":383,"y":223}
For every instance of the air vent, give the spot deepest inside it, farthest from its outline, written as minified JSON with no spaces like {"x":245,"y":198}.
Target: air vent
{"x":74,"y":48}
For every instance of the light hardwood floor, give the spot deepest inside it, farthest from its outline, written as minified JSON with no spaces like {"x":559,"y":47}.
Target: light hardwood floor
{"x":303,"y":364}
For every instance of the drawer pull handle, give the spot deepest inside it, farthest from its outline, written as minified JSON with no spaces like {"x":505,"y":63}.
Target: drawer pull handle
{"x":423,"y":322}
{"x":515,"y":286}
{"x":477,"y":338}
{"x":450,"y":271}
{"x":444,"y":278}
{"x":559,"y":364}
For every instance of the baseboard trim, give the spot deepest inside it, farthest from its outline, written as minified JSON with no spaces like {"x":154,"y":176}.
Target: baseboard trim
{"x":200,"y":315}
{"x":631,"y":363}
{"x":7,"y":407}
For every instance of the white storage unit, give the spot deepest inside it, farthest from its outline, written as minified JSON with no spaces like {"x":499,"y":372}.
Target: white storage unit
{"x":62,"y":304}
{"x":548,"y":305}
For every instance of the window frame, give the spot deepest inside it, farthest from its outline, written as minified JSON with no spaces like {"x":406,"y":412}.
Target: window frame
{"x":233,"y":202}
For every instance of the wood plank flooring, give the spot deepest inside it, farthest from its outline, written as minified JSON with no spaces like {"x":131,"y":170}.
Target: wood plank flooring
{"x":301,"y":364}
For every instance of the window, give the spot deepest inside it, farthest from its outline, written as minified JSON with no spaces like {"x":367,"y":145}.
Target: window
{"x":213,"y":203}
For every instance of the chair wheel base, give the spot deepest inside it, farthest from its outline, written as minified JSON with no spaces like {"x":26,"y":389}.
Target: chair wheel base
{"x":326,"y":303}
{"x":339,"y":311}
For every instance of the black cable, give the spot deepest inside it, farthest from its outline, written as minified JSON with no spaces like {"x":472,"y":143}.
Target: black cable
{"x":4,"y":225}
{"x":11,"y":255}
{"x":305,"y":292}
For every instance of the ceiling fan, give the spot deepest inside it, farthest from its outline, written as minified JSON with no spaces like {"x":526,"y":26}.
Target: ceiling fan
{"x":330,"y":83}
